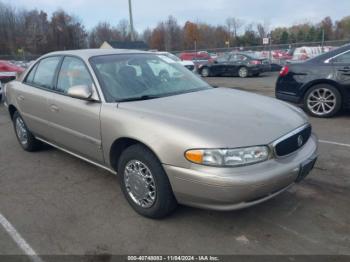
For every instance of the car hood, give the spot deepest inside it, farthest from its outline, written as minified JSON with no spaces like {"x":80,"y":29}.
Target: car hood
{"x":220,"y":117}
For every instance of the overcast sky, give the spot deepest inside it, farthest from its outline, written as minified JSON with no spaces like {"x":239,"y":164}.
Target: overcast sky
{"x":147,"y":13}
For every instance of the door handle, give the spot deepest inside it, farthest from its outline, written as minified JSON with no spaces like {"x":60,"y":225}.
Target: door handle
{"x":54,"y":108}
{"x":20,"y":98}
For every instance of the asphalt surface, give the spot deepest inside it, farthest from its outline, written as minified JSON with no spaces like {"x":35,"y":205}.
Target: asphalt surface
{"x":62,"y":205}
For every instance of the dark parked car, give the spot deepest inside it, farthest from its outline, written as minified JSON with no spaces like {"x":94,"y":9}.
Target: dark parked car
{"x":235,"y":64}
{"x":321,"y":84}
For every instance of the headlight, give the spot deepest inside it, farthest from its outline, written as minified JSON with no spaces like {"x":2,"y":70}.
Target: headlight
{"x":228,"y":157}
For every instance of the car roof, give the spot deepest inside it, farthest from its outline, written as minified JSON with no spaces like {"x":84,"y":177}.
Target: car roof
{"x":87,"y":53}
{"x":330,"y":54}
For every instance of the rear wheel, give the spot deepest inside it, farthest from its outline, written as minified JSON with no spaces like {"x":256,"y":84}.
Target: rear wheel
{"x":25,"y":138}
{"x":145,"y":184}
{"x":243,"y":72}
{"x":205,"y":72}
{"x":322,"y":101}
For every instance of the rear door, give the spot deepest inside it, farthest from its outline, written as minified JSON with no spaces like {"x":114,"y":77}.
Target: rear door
{"x":34,"y":94}
{"x":76,"y":122}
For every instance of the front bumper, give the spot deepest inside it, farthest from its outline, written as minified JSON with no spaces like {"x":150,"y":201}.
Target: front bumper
{"x":241,"y":187}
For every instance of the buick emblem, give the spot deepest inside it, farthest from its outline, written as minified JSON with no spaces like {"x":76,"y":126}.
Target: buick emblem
{"x":300,"y":140}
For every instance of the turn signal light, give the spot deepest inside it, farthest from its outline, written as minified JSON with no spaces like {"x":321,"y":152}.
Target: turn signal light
{"x":195,"y":156}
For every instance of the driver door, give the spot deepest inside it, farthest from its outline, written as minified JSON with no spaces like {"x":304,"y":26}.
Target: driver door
{"x":76,"y":122}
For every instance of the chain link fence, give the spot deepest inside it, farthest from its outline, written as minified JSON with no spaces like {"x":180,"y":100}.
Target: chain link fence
{"x":333,"y":43}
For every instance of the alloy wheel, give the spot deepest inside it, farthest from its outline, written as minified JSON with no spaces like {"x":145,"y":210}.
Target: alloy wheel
{"x":321,"y":101}
{"x":243,"y":72}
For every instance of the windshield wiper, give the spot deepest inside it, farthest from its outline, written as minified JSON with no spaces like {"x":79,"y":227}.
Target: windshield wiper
{"x":138,"y":98}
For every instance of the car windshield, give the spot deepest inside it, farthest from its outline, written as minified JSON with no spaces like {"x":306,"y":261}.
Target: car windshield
{"x":128,"y":77}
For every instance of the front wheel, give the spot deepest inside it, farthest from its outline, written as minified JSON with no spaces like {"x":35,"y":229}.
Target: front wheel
{"x":25,"y":138}
{"x":145,"y":184}
{"x":243,"y":72}
{"x":322,"y":101}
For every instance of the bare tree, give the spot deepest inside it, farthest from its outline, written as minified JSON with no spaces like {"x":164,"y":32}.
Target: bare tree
{"x":172,"y":34}
{"x":103,"y":32}
{"x":124,"y":30}
{"x":263,"y":29}
{"x":234,"y":25}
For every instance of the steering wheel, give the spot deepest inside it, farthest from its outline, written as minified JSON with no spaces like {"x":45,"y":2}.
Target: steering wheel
{"x":164,"y":76}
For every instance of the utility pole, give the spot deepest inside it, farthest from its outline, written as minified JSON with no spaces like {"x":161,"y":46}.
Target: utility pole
{"x":131,"y":23}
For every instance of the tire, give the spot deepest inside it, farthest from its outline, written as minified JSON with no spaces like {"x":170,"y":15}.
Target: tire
{"x":243,"y":72}
{"x":139,"y":187}
{"x":25,"y":138}
{"x":205,"y":72}
{"x":323,"y":101}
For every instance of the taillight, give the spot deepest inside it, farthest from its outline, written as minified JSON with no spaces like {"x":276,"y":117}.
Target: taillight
{"x":255,"y":62}
{"x":284,"y":71}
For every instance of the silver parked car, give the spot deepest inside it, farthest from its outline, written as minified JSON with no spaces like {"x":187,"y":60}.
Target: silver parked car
{"x":174,"y":140}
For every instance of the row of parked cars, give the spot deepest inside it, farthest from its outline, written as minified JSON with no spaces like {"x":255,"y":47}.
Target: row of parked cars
{"x":242,"y":64}
{"x":316,"y":78}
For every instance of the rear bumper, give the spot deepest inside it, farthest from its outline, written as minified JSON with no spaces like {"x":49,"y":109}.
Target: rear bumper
{"x":237,"y":188}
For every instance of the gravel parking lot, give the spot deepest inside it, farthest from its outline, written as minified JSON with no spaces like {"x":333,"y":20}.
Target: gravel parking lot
{"x":62,"y":205}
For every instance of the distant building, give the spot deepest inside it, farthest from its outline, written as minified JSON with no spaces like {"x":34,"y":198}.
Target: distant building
{"x":139,"y":45}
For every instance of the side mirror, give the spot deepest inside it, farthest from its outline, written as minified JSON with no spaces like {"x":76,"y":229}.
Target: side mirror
{"x":81,"y":92}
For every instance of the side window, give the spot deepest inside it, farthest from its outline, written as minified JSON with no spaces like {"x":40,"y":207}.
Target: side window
{"x":73,"y":73}
{"x":234,"y":58}
{"x":343,"y":59}
{"x":45,"y":72}
{"x":30,"y":77}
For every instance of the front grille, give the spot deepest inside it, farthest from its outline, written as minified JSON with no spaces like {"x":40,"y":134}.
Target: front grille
{"x":190,"y":67}
{"x":292,"y":143}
